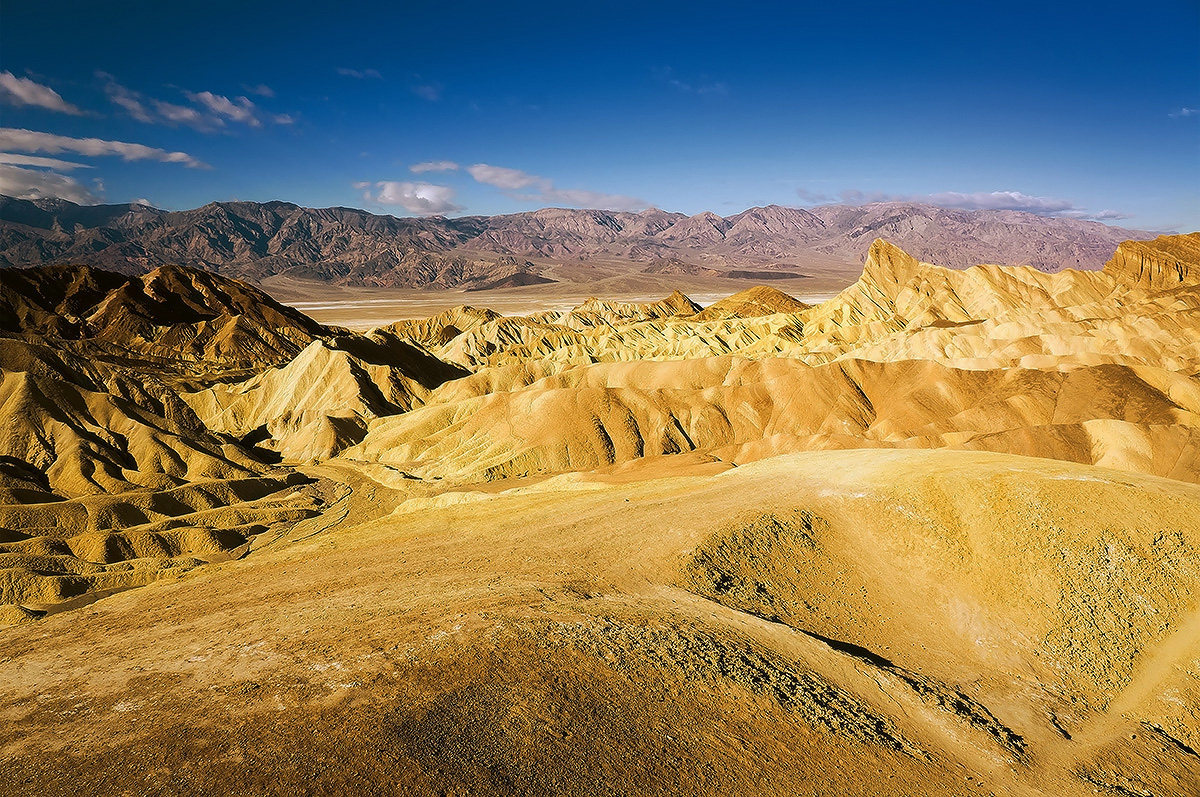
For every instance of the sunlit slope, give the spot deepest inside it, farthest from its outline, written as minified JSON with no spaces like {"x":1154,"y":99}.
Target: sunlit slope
{"x":108,"y":479}
{"x":320,"y":402}
{"x":908,"y":623}
{"x":1141,"y":309}
{"x":1139,"y":419}
{"x":1091,"y":367}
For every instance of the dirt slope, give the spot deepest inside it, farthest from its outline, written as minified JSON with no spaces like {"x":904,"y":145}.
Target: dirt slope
{"x":858,"y":622}
{"x":935,"y":536}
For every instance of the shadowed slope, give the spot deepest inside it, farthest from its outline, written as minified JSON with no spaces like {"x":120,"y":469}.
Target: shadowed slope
{"x":194,"y":318}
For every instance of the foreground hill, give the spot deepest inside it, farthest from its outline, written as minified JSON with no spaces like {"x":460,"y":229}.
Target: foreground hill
{"x":936,"y":535}
{"x":352,"y":247}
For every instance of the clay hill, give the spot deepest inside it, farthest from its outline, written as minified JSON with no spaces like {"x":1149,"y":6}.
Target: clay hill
{"x":934,"y":536}
{"x":254,"y":241}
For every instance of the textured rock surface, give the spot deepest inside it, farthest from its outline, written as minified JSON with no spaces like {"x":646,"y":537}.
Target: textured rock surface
{"x":934,"y":536}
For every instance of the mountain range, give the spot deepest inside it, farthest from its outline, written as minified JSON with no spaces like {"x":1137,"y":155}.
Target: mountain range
{"x":253,"y":241}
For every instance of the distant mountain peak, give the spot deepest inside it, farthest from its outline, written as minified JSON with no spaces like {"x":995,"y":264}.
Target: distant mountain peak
{"x":348,"y":246}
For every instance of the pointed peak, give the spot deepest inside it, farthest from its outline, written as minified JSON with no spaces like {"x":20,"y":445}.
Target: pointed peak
{"x":888,"y":263}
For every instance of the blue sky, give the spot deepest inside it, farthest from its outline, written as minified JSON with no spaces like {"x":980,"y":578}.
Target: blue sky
{"x":1089,"y":110}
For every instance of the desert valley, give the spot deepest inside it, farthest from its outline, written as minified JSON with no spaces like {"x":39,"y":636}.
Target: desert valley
{"x":875,"y":526}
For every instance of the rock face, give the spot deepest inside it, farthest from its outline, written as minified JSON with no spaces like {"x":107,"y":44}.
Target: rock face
{"x":340,"y":245}
{"x":1168,"y":261}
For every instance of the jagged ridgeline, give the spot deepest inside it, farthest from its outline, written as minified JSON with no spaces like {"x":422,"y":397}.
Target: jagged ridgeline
{"x":937,"y":530}
{"x":253,"y":241}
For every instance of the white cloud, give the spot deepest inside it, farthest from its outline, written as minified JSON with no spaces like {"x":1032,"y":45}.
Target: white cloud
{"x":141,"y":201}
{"x":532,"y":188}
{"x":23,"y":91}
{"x":182,"y":114}
{"x":361,"y":185}
{"x":1003,"y":200}
{"x":42,"y":163}
{"x":1051,"y":207}
{"x":365,"y":73}
{"x":424,"y":199}
{"x":1183,"y":112}
{"x":262,"y":90}
{"x":433,"y":166}
{"x":240,"y":111}
{"x":507,"y":179}
{"x":209,"y":113}
{"x":33,"y":141}
{"x":33,"y":184}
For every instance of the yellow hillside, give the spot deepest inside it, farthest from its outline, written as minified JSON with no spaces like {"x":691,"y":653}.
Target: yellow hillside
{"x":938,"y":535}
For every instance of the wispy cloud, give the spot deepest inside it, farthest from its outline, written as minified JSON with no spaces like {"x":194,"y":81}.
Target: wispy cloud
{"x":41,"y":163}
{"x":182,"y":114}
{"x":991,"y":200}
{"x":1183,"y":112}
{"x":357,"y":73}
{"x":208,"y":112}
{"x":33,"y":141}
{"x":424,"y":199}
{"x":813,"y":197}
{"x":23,"y":91}
{"x":666,"y":75}
{"x":532,"y":188}
{"x":25,"y":183}
{"x":261,"y":90}
{"x":241,"y":110}
{"x":433,"y":166}
{"x":122,"y":97}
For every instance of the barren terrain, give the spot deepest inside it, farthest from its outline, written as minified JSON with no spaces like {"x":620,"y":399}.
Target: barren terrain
{"x":936,"y":534}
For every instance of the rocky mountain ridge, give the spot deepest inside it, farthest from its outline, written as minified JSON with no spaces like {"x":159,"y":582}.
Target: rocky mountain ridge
{"x":252,"y":241}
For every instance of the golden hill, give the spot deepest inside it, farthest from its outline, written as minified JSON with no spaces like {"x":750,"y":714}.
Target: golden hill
{"x":936,"y":535}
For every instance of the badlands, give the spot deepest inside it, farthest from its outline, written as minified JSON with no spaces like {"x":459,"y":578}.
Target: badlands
{"x":938,"y":535}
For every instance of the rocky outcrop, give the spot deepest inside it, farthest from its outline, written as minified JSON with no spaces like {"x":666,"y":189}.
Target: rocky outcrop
{"x":1166,"y":262}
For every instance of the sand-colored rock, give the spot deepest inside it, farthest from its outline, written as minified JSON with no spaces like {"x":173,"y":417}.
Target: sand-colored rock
{"x":934,"y":536}
{"x":905,"y":622}
{"x":319,"y":403}
{"x":757,"y":301}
